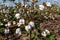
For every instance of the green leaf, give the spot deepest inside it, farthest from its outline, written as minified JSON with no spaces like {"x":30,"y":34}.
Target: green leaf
{"x":1,"y":28}
{"x":35,"y":36}
{"x":36,"y":26}
{"x":51,"y":37}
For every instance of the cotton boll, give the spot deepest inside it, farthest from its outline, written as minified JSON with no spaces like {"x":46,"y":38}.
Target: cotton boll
{"x":6,"y":15}
{"x":41,"y":7}
{"x":18,"y":24}
{"x":18,"y":31}
{"x":27,"y":28}
{"x":15,"y":11}
{"x":25,"y":5}
{"x":48,"y":4}
{"x":53,"y":18}
{"x":22,"y":21}
{"x":14,"y":22}
{"x":4,"y":11}
{"x":6,"y":31}
{"x":6,"y":25}
{"x":9,"y":23}
{"x":44,"y":34}
{"x":47,"y":31}
{"x":45,"y":17}
{"x":31,"y":24}
{"x":5,"y":20}
{"x":17,"y":15}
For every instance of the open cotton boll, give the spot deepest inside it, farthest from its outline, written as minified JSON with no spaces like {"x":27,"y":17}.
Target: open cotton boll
{"x":18,"y":31}
{"x":31,"y":24}
{"x":6,"y":25}
{"x":45,"y":17}
{"x":22,"y":21}
{"x":5,"y":20}
{"x":6,"y":31}
{"x":25,"y":5}
{"x":44,"y":34}
{"x":18,"y":24}
{"x":47,"y":31}
{"x":17,"y":15}
{"x":53,"y":18}
{"x":41,"y":7}
{"x":48,"y":4}
{"x":9,"y":23}
{"x":27,"y":28}
{"x":14,"y":22}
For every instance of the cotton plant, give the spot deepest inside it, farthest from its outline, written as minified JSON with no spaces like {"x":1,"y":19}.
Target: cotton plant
{"x":17,"y":14}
